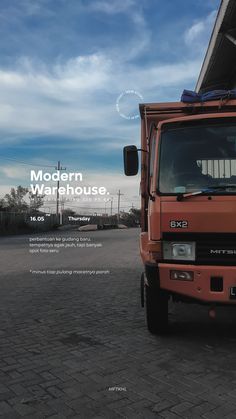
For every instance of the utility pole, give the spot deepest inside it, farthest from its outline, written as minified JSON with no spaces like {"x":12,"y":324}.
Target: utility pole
{"x":111,"y":205}
{"x":118,"y":211}
{"x":62,"y":205}
{"x":58,"y":183}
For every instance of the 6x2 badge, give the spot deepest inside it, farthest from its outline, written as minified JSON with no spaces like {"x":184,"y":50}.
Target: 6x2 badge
{"x":178,"y":224}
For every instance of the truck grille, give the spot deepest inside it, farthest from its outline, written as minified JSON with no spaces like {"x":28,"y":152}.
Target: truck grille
{"x":211,"y":248}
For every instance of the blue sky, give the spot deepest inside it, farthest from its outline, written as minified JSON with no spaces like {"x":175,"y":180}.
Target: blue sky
{"x":63,"y":64}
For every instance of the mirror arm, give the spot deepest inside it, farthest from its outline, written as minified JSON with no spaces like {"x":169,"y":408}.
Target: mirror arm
{"x":142,"y":149}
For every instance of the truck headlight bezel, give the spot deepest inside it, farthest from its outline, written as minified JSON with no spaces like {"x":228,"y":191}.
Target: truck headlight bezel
{"x":185,"y":251}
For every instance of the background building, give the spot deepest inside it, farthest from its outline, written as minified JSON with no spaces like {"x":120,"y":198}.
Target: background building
{"x":219,"y":66}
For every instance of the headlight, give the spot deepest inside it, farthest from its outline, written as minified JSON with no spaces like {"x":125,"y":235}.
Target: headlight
{"x":179,"y":251}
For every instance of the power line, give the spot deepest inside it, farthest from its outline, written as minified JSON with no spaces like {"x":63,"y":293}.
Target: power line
{"x":79,"y":206}
{"x":25,"y":163}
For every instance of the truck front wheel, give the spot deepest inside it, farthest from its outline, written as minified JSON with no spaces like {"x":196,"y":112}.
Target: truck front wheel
{"x":156,"y":310}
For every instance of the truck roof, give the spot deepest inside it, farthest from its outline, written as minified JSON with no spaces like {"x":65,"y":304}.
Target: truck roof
{"x":166,"y":110}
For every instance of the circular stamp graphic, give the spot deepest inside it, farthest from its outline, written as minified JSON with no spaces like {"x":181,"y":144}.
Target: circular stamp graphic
{"x":127,"y":104}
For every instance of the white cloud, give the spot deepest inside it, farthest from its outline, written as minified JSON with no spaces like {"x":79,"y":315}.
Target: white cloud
{"x":11,"y":79}
{"x":14,"y":171}
{"x":194,"y":32}
{"x":198,"y":34}
{"x":134,"y":12}
{"x":112,"y":6}
{"x":77,"y":98}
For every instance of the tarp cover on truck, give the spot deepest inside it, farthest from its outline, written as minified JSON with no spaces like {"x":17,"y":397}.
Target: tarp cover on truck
{"x":188,"y":96}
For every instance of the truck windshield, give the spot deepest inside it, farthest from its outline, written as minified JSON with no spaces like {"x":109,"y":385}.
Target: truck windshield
{"x":198,"y":155}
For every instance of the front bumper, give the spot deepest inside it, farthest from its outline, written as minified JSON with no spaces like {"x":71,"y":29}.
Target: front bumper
{"x":200,"y":288}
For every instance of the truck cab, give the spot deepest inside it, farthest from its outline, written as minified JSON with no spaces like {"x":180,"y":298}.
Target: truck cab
{"x":188,"y":205}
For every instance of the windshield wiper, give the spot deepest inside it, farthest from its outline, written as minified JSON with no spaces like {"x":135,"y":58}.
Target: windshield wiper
{"x":208,"y":189}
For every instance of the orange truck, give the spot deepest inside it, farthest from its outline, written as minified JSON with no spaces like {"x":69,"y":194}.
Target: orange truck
{"x":188,"y":205}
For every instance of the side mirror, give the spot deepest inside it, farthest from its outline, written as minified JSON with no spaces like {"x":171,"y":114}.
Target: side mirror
{"x":130,"y":153}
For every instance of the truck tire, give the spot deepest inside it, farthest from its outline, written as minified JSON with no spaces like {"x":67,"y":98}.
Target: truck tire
{"x":156,"y":310}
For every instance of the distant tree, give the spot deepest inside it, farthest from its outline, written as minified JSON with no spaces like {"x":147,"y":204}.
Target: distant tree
{"x":136,"y":213}
{"x":36,"y":201}
{"x":131,"y":218}
{"x":15,"y":200}
{"x":2,"y":205}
